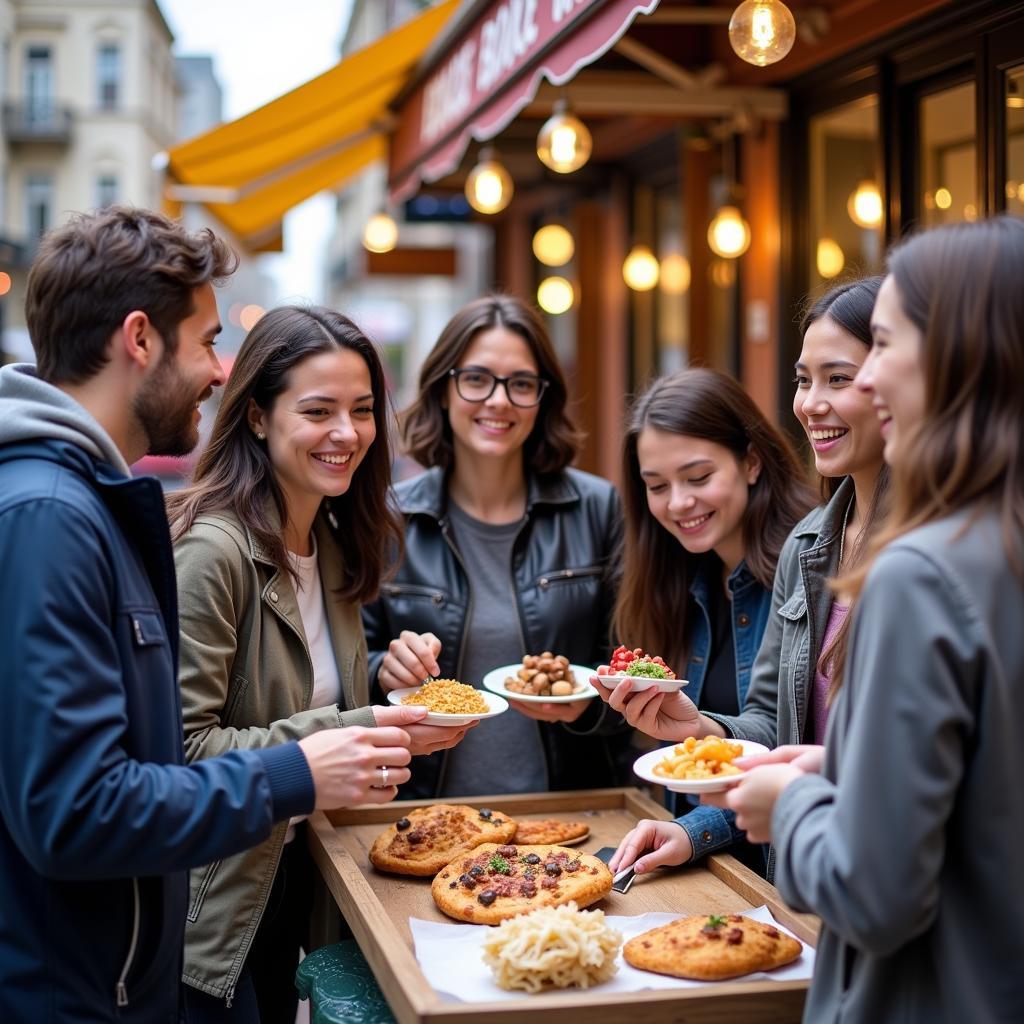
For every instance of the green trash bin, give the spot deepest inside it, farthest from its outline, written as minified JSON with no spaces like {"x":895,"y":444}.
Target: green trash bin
{"x":340,"y":986}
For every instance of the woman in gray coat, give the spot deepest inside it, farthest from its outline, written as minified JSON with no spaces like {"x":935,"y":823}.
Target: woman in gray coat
{"x":908,"y":844}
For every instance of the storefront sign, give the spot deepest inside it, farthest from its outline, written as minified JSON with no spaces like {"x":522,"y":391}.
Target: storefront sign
{"x":492,"y":70}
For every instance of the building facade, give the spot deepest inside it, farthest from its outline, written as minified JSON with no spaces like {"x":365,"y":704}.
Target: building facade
{"x":88,"y":100}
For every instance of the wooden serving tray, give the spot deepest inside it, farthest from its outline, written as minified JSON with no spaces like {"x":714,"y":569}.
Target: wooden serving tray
{"x":378,"y":907}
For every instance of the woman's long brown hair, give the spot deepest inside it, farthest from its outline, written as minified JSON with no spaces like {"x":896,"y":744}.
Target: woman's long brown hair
{"x":960,"y":286}
{"x":653,"y":606}
{"x":849,"y":306}
{"x":235,"y":474}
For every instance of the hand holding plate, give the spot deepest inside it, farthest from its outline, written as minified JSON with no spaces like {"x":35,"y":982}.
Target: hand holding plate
{"x":665,"y":716}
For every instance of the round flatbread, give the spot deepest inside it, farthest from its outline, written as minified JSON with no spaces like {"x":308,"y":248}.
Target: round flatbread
{"x":550,"y":832}
{"x":711,"y":948}
{"x":497,"y":881}
{"x":427,"y":838}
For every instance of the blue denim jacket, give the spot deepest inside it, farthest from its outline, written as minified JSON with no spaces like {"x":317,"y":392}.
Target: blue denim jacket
{"x":710,"y":828}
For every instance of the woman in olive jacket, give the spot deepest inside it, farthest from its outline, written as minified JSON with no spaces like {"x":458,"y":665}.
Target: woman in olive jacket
{"x":508,"y":552}
{"x":284,"y":530}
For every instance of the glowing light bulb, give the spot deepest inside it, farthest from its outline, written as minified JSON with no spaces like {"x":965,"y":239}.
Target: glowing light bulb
{"x":865,"y":205}
{"x":640,"y":269}
{"x":728,"y":233}
{"x":489,"y":186}
{"x":943,"y":198}
{"x":762,"y":31}
{"x":675,"y":274}
{"x":564,"y":143}
{"x":555,"y":295}
{"x":830,"y":257}
{"x":380,"y":233}
{"x":553,"y":245}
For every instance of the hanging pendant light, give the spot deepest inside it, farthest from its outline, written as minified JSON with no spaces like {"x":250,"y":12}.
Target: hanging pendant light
{"x":865,"y":205}
{"x":829,"y":258}
{"x":564,"y":142}
{"x":555,"y":295}
{"x":489,"y":186}
{"x":553,"y":245}
{"x":728,"y":233}
{"x":640,"y":269}
{"x":380,"y":233}
{"x":762,"y":31}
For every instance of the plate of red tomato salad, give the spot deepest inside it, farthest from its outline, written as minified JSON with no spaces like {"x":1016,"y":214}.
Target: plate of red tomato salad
{"x":644,"y":671}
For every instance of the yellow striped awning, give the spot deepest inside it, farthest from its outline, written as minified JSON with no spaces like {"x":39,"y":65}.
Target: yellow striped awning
{"x":251,"y":171}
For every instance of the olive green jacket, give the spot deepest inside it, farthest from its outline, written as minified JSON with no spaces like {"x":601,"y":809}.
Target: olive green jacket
{"x":246,"y":682}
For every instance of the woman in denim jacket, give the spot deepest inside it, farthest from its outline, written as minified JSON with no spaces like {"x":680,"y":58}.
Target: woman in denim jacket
{"x":711,"y":490}
{"x":792,"y":682}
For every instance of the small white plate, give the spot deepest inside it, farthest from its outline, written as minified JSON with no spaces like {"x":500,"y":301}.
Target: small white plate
{"x":644,"y":768}
{"x":644,"y":683}
{"x":495,"y":682}
{"x":495,"y":706}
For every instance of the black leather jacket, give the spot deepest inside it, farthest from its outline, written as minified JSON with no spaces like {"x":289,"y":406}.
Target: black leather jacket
{"x":563,"y":572}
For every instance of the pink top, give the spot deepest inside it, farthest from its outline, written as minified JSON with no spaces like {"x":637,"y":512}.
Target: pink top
{"x":836,"y":617}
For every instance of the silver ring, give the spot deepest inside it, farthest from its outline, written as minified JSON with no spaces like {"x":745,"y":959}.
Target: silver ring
{"x":383,"y":769}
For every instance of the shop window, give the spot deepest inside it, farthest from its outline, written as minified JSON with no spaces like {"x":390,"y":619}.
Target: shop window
{"x":948,"y":158}
{"x":846,"y":203}
{"x":1015,"y":142}
{"x":38,"y":206}
{"x":106,"y":190}
{"x":38,"y":85}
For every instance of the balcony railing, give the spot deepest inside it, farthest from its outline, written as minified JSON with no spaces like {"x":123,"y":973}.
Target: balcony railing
{"x":37,"y":122}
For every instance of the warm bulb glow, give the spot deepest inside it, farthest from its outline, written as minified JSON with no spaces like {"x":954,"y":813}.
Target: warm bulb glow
{"x":5,"y":282}
{"x":553,"y":245}
{"x":830,"y":258}
{"x":722,"y":273}
{"x":380,"y":233}
{"x":762,"y":31}
{"x":249,"y":317}
{"x":675,"y":274}
{"x":555,"y":295}
{"x":640,"y":270}
{"x":943,"y":198}
{"x":865,"y":205}
{"x":563,"y":142}
{"x":489,"y":186}
{"x":729,"y":233}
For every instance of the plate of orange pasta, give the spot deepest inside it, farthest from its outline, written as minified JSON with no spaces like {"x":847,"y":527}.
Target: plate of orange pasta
{"x":703,"y":765}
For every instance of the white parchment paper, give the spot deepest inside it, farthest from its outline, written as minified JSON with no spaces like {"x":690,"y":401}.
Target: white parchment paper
{"x":451,"y":957}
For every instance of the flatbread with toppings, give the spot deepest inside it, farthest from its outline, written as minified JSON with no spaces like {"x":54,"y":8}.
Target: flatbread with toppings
{"x":550,"y":832}
{"x":427,"y":838}
{"x":497,"y":881}
{"x":712,"y":948}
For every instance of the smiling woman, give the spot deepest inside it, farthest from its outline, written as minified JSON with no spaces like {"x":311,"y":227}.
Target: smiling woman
{"x":508,"y":553}
{"x":285,"y":529}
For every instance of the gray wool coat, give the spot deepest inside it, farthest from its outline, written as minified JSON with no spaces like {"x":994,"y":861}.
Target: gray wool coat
{"x":909,"y":845}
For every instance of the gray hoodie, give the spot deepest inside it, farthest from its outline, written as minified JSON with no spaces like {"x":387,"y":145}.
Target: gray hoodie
{"x":32,"y":410}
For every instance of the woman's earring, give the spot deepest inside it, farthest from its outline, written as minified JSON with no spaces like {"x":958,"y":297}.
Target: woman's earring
{"x":260,"y":436}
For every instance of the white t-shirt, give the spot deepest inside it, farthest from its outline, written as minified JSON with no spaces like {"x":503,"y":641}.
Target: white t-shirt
{"x":326,"y":680}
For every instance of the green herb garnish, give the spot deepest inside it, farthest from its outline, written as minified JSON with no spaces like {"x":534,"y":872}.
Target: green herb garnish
{"x":648,"y":669}
{"x":716,"y":921}
{"x":499,"y":865}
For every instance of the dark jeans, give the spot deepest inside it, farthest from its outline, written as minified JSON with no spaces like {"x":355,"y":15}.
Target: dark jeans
{"x":265,"y":992}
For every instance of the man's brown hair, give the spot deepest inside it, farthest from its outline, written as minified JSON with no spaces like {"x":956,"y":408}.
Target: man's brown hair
{"x":91,"y":272}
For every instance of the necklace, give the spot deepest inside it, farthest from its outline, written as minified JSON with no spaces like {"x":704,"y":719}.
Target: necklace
{"x":842,"y":535}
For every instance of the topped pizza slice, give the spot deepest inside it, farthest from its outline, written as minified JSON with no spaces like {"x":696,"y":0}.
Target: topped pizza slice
{"x":498,"y":881}
{"x":427,"y":838}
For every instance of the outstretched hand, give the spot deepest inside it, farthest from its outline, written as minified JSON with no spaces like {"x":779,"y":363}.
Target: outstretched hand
{"x":753,"y":798}
{"x":665,"y":716}
{"x":668,"y":842}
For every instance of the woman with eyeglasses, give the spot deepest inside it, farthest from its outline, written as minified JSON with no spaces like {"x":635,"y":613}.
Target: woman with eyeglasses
{"x":507,"y":553}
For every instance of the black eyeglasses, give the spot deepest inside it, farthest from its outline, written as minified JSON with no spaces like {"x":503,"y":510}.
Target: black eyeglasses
{"x":523,"y":389}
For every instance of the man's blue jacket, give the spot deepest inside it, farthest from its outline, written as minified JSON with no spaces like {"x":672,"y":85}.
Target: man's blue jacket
{"x":101,"y":818}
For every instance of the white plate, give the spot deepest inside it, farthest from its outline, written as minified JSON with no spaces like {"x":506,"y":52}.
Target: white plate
{"x":495,"y":682}
{"x":644,"y":767}
{"x":495,"y":706}
{"x":645,"y":683}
